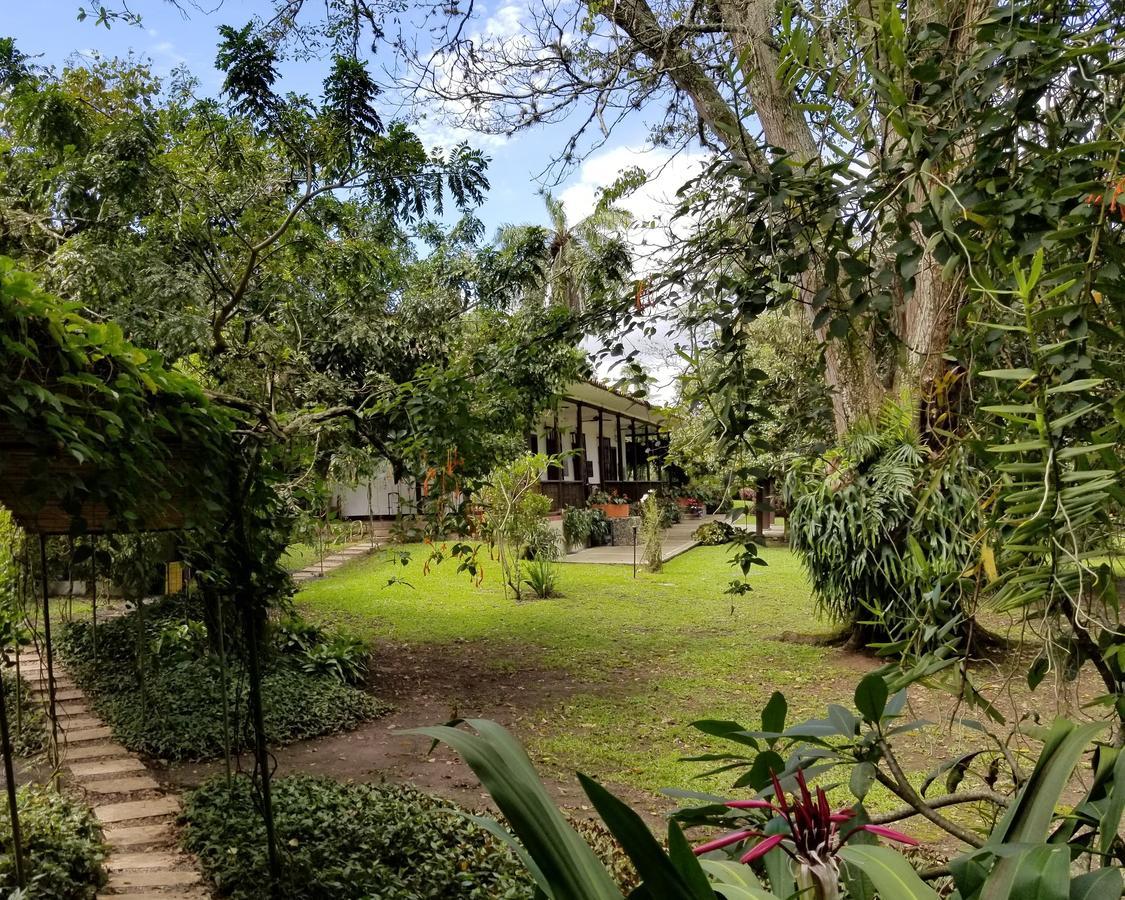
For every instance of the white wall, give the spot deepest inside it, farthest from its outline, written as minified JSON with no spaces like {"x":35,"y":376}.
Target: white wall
{"x":353,"y":501}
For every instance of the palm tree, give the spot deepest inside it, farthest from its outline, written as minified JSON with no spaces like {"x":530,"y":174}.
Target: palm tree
{"x":581,"y":262}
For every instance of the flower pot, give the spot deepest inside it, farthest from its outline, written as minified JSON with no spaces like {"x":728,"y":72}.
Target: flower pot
{"x":613,"y":510}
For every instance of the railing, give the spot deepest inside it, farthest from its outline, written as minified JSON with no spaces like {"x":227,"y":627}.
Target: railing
{"x":574,"y":493}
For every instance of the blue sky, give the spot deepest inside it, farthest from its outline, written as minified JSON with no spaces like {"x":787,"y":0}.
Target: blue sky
{"x":50,"y":30}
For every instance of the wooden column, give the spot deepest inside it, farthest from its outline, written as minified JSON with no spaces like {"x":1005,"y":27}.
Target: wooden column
{"x":648,"y":465}
{"x":600,"y":456}
{"x":581,"y":458}
{"x":633,"y":441}
{"x":620,"y":451}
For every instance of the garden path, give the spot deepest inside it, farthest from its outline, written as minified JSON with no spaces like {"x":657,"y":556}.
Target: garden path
{"x":137,"y":814}
{"x":334,"y":560}
{"x":677,"y":539}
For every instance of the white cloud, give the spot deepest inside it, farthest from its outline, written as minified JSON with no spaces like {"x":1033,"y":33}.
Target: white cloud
{"x":653,"y":206}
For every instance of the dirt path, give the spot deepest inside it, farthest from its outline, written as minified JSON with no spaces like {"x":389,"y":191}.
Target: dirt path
{"x":429,"y":685}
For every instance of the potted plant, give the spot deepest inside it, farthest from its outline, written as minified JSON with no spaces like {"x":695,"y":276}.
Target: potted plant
{"x":614,"y":506}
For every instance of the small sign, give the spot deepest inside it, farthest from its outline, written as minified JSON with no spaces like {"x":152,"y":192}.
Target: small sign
{"x":173,"y":578}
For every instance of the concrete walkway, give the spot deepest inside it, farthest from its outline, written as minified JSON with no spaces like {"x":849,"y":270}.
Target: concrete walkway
{"x":677,"y":539}
{"x":137,"y":815}
{"x":334,"y":560}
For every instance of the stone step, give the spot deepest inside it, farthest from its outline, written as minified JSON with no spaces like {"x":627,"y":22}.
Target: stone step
{"x":93,"y":751}
{"x":60,"y":695}
{"x":131,"y":810}
{"x":198,"y":894}
{"x":133,"y":836}
{"x":73,"y":709}
{"x":106,"y":767}
{"x":122,"y":785}
{"x":156,"y":878}
{"x":86,"y":735}
{"x":79,"y":723}
{"x":133,"y":862}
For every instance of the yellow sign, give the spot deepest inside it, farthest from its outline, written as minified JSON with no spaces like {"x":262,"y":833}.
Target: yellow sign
{"x":173,"y":578}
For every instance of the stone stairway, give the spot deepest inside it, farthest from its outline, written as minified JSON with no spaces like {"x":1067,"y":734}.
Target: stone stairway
{"x":334,"y":560}
{"x":137,"y":814}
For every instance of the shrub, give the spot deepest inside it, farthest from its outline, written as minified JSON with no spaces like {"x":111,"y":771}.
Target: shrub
{"x":29,"y":726}
{"x":340,"y":655}
{"x":713,"y":533}
{"x":177,"y":713}
{"x":581,"y":524}
{"x":543,"y":578}
{"x":347,"y":841}
{"x":543,"y":542}
{"x":62,"y":847}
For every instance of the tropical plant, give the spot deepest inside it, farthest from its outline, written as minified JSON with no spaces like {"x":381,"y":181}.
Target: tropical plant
{"x":1020,"y":857}
{"x":543,"y":578}
{"x":340,"y":655}
{"x":513,"y":513}
{"x":582,"y":524}
{"x":652,"y":532}
{"x":585,"y":261}
{"x":887,"y":529}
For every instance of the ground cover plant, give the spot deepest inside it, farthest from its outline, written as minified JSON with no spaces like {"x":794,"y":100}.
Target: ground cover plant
{"x":348,"y":841}
{"x":62,"y":847}
{"x":169,"y":702}
{"x":27,"y":720}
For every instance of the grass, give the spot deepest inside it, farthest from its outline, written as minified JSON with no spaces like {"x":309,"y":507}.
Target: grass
{"x":643,"y":658}
{"x":651,"y":654}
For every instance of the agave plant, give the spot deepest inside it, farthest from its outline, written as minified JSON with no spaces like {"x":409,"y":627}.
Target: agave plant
{"x":812,"y":836}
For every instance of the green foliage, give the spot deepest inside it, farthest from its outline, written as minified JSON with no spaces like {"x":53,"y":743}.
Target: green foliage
{"x":886,"y":529}
{"x":169,"y":705}
{"x":347,"y":841}
{"x":513,"y":513}
{"x":77,"y":387}
{"x":62,"y":847}
{"x":652,"y":532}
{"x":27,"y":719}
{"x":543,"y":578}
{"x":714,"y":533}
{"x":582,"y":524}
{"x":342,"y":656}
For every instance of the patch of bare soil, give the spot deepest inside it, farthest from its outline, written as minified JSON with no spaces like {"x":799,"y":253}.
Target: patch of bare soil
{"x":430,"y":685}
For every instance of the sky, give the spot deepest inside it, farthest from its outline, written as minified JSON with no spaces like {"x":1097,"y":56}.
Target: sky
{"x":50,"y":32}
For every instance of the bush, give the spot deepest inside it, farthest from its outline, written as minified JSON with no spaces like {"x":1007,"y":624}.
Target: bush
{"x":178,"y":714}
{"x":542,"y":578}
{"x":62,"y":847}
{"x":584,"y":524}
{"x":347,"y":841}
{"x":713,"y":533}
{"x":29,"y":727}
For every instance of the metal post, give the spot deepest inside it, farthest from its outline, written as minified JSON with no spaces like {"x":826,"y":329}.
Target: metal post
{"x":50,"y":653}
{"x":10,"y":778}
{"x":634,"y":551}
{"x":94,"y":595}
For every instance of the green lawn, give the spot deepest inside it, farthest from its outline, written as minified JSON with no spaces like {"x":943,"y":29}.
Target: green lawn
{"x":652,"y":654}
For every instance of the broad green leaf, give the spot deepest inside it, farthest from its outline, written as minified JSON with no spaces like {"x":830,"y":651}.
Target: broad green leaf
{"x":1010,"y":374}
{"x":889,"y":871}
{"x":1101,"y":884}
{"x":871,"y":697}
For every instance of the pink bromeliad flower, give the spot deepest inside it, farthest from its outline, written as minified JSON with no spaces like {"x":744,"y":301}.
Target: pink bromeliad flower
{"x":813,"y":839}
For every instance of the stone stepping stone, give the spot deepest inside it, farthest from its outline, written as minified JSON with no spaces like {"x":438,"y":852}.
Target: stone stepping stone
{"x":122,"y":785}
{"x":79,"y":723}
{"x":133,"y":836}
{"x":129,"y":862}
{"x":156,"y":878}
{"x":148,"y":895}
{"x":88,"y":734}
{"x":107,"y":767}
{"x":94,"y":751}
{"x":72,"y":710}
{"x":129,"y":810}
{"x":60,"y":695}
